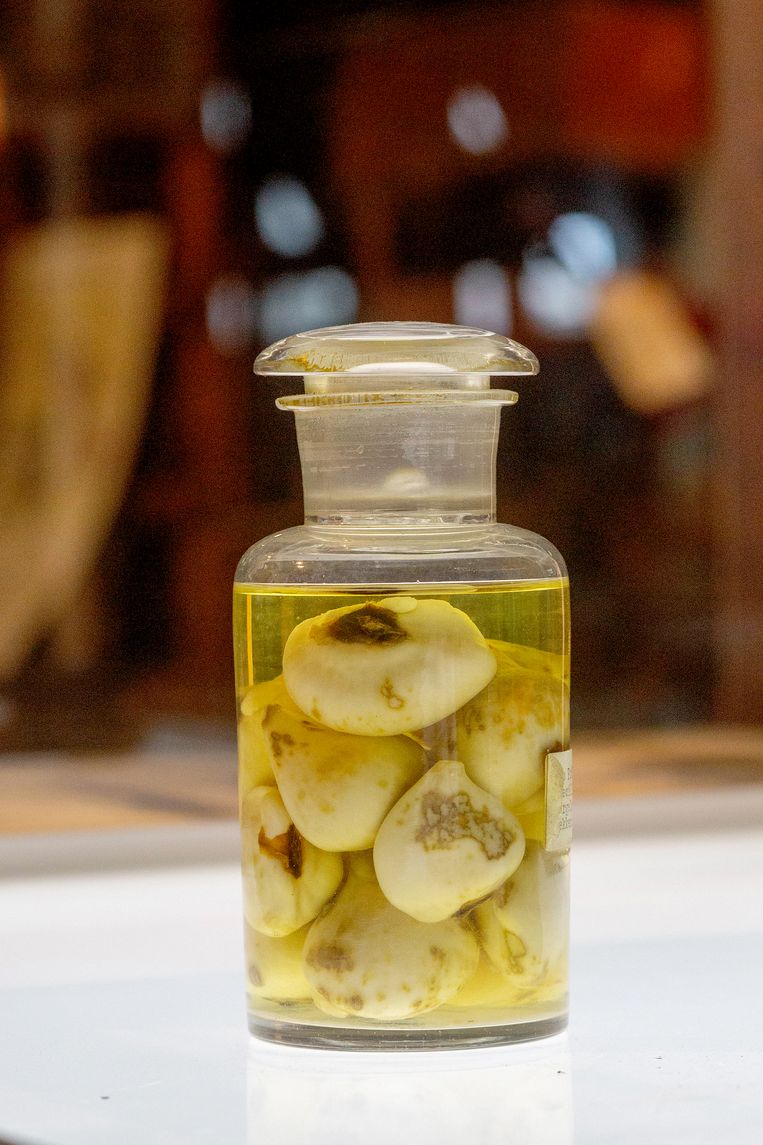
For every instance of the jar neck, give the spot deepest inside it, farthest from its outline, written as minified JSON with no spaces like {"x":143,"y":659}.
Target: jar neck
{"x":374,"y":468}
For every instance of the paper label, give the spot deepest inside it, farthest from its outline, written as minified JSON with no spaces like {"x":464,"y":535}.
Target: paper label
{"x":558,"y":800}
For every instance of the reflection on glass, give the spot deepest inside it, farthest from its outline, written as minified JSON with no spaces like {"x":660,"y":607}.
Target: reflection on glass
{"x":491,"y":1097}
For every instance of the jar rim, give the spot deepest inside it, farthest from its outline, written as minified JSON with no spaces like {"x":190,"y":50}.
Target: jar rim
{"x":363,"y":399}
{"x":393,"y":351}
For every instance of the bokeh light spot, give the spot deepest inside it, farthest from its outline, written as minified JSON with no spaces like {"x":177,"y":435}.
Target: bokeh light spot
{"x":326,"y":296}
{"x":476,"y":120}
{"x":226,"y":114}
{"x":584,"y":244}
{"x":231,"y":311}
{"x":287,"y":216}
{"x":559,"y":303}
{"x":482,"y":296}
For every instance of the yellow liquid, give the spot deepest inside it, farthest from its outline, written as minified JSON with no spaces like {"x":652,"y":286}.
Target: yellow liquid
{"x":484,"y":974}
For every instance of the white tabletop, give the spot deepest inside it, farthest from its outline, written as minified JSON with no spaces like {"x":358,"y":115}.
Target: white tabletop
{"x":122,"y":1021}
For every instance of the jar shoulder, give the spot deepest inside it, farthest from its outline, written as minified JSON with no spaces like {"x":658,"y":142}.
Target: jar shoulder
{"x":533,"y":545}
{"x":489,"y":553}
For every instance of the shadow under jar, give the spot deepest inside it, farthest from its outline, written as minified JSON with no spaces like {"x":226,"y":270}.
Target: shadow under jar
{"x":402,"y":673}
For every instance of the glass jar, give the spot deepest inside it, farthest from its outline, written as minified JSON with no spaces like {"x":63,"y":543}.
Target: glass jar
{"x":402,"y":672}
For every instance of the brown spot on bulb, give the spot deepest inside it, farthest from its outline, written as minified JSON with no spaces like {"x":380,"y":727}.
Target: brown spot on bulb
{"x":390,"y":695}
{"x":330,"y":956}
{"x":279,"y":740}
{"x":286,"y":847}
{"x":369,"y":625}
{"x":446,"y":818}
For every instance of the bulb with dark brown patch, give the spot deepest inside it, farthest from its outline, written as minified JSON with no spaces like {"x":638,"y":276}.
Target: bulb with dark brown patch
{"x":337,"y":787}
{"x":380,"y":669}
{"x":286,"y":879}
{"x":445,"y":845}
{"x":364,"y":958}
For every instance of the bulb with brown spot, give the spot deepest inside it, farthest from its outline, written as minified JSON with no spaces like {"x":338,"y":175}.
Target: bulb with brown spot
{"x":336,"y":787}
{"x":275,"y":966}
{"x":389,"y":668}
{"x":524,"y":925}
{"x":363,"y":957}
{"x":504,"y":733}
{"x":286,"y":879}
{"x":255,"y":769}
{"x":445,"y":845}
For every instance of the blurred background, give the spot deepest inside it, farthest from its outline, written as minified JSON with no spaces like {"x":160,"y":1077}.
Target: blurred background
{"x":183,"y":183}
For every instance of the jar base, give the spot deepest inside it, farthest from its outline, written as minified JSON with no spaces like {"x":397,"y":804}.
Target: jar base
{"x":368,"y":1039}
